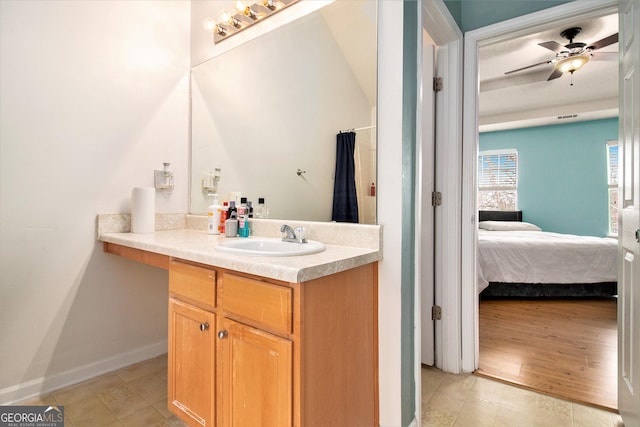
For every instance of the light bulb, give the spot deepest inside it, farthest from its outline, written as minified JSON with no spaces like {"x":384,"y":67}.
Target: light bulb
{"x":208,"y":24}
{"x":244,"y":8}
{"x":572,"y":63}
{"x":224,"y":16}
{"x":241,"y":5}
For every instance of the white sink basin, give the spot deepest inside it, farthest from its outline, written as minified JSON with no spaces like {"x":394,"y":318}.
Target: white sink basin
{"x":259,"y":246}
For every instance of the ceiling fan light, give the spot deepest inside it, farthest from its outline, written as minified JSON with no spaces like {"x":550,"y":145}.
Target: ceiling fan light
{"x":572,"y":63}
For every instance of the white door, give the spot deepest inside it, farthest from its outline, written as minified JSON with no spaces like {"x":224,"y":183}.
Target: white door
{"x":629,"y":202}
{"x":426,"y":178}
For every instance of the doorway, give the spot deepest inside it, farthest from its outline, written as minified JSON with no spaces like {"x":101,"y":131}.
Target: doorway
{"x":547,"y":19}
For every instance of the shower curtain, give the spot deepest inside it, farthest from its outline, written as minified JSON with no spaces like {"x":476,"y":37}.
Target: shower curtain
{"x":345,"y":200}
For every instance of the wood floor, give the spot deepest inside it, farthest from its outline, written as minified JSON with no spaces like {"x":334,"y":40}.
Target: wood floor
{"x":564,"y":348}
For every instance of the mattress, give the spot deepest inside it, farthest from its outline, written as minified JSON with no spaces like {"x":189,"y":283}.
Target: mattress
{"x":541,"y":257}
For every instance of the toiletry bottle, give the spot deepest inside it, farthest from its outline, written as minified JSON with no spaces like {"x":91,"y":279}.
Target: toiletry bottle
{"x":373,"y":190}
{"x":224,"y":209}
{"x":231,"y":227}
{"x":213,"y":216}
{"x":233,"y":211}
{"x":243,"y":226}
{"x":261,"y":209}
{"x":243,"y":218}
{"x":240,"y":210}
{"x":243,"y":205}
{"x":250,"y":207}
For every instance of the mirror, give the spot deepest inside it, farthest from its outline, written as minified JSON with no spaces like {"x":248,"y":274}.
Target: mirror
{"x":267,"y":114}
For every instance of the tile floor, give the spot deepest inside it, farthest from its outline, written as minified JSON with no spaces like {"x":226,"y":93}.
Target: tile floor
{"x":136,"y":396}
{"x":470,"y":400}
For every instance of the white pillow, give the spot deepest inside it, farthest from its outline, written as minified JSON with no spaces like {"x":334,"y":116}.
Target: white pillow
{"x":508,"y":226}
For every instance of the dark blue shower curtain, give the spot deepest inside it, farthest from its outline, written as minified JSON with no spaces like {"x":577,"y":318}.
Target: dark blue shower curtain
{"x":345,"y":201}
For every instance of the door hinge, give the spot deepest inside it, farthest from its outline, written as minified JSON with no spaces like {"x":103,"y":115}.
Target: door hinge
{"x":437,"y":84}
{"x":436,"y":312}
{"x":436,"y":198}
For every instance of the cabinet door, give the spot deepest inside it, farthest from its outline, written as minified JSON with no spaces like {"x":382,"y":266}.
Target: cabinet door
{"x":191,"y":364}
{"x":255,"y":377}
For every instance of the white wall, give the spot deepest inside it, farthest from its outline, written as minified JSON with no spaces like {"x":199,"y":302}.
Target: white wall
{"x":94,"y":97}
{"x":389,"y":192}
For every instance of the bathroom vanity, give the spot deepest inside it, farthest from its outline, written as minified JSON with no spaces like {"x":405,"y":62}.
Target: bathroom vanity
{"x":269,"y":341}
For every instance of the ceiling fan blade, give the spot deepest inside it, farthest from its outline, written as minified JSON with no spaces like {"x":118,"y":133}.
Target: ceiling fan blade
{"x":553,"y":46}
{"x":556,"y":73}
{"x":605,"y":56}
{"x":528,"y":66}
{"x":613,"y":38}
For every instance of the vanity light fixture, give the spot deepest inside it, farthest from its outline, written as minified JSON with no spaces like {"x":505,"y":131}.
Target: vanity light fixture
{"x":229,"y":23}
{"x":270,"y":4}
{"x":226,"y":18}
{"x":246,"y":10}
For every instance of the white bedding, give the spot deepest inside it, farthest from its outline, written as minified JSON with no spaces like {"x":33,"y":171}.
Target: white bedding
{"x":543,"y":257}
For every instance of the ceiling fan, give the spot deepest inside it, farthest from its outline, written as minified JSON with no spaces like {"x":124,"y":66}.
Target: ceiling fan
{"x":572,"y":56}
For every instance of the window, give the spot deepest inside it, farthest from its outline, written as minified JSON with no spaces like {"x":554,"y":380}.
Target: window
{"x":498,"y":180}
{"x":612,"y":180}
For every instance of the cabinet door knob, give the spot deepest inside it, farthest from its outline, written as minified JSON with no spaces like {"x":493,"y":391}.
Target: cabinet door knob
{"x":204,"y":326}
{"x":222,"y":334}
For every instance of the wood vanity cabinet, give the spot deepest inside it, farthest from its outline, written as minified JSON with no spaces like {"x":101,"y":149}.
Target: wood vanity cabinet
{"x":192,"y":352}
{"x":250,"y":351}
{"x":255,"y":350}
{"x":191,"y":360}
{"x":254,"y":377}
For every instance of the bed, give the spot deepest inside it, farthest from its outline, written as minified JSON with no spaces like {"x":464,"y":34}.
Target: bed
{"x":518,"y":259}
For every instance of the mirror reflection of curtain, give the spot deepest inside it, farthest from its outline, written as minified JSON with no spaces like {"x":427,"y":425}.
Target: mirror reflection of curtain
{"x":360,"y":185}
{"x":345,"y":199}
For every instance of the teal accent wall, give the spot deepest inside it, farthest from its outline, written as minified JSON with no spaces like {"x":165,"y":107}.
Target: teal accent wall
{"x":473,"y":14}
{"x":408,"y":389}
{"x":562,"y":174}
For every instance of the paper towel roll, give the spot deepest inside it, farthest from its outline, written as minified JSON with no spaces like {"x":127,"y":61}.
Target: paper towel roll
{"x":143,"y":210}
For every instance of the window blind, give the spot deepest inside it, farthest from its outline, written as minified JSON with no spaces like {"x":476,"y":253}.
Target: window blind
{"x":498,"y":180}
{"x":498,"y":170}
{"x":612,"y":180}
{"x":612,"y":162}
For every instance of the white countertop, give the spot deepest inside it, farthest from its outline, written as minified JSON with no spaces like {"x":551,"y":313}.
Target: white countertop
{"x":198,"y":246}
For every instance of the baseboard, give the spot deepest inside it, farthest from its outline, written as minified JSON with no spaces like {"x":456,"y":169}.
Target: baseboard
{"x":42,"y":385}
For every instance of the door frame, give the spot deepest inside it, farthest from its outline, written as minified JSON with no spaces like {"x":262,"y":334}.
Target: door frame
{"x":438,"y":23}
{"x":519,"y":26}
{"x":425,"y":214}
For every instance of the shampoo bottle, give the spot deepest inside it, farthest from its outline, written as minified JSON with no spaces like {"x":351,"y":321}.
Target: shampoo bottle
{"x":213,"y":216}
{"x":233,"y":211}
{"x":243,"y":218}
{"x":224,"y":209}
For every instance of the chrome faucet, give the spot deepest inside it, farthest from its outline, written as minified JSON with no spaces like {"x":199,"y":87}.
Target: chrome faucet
{"x":289,"y":234}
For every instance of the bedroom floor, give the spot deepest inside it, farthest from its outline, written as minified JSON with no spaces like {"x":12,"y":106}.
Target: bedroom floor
{"x":564,"y":348}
